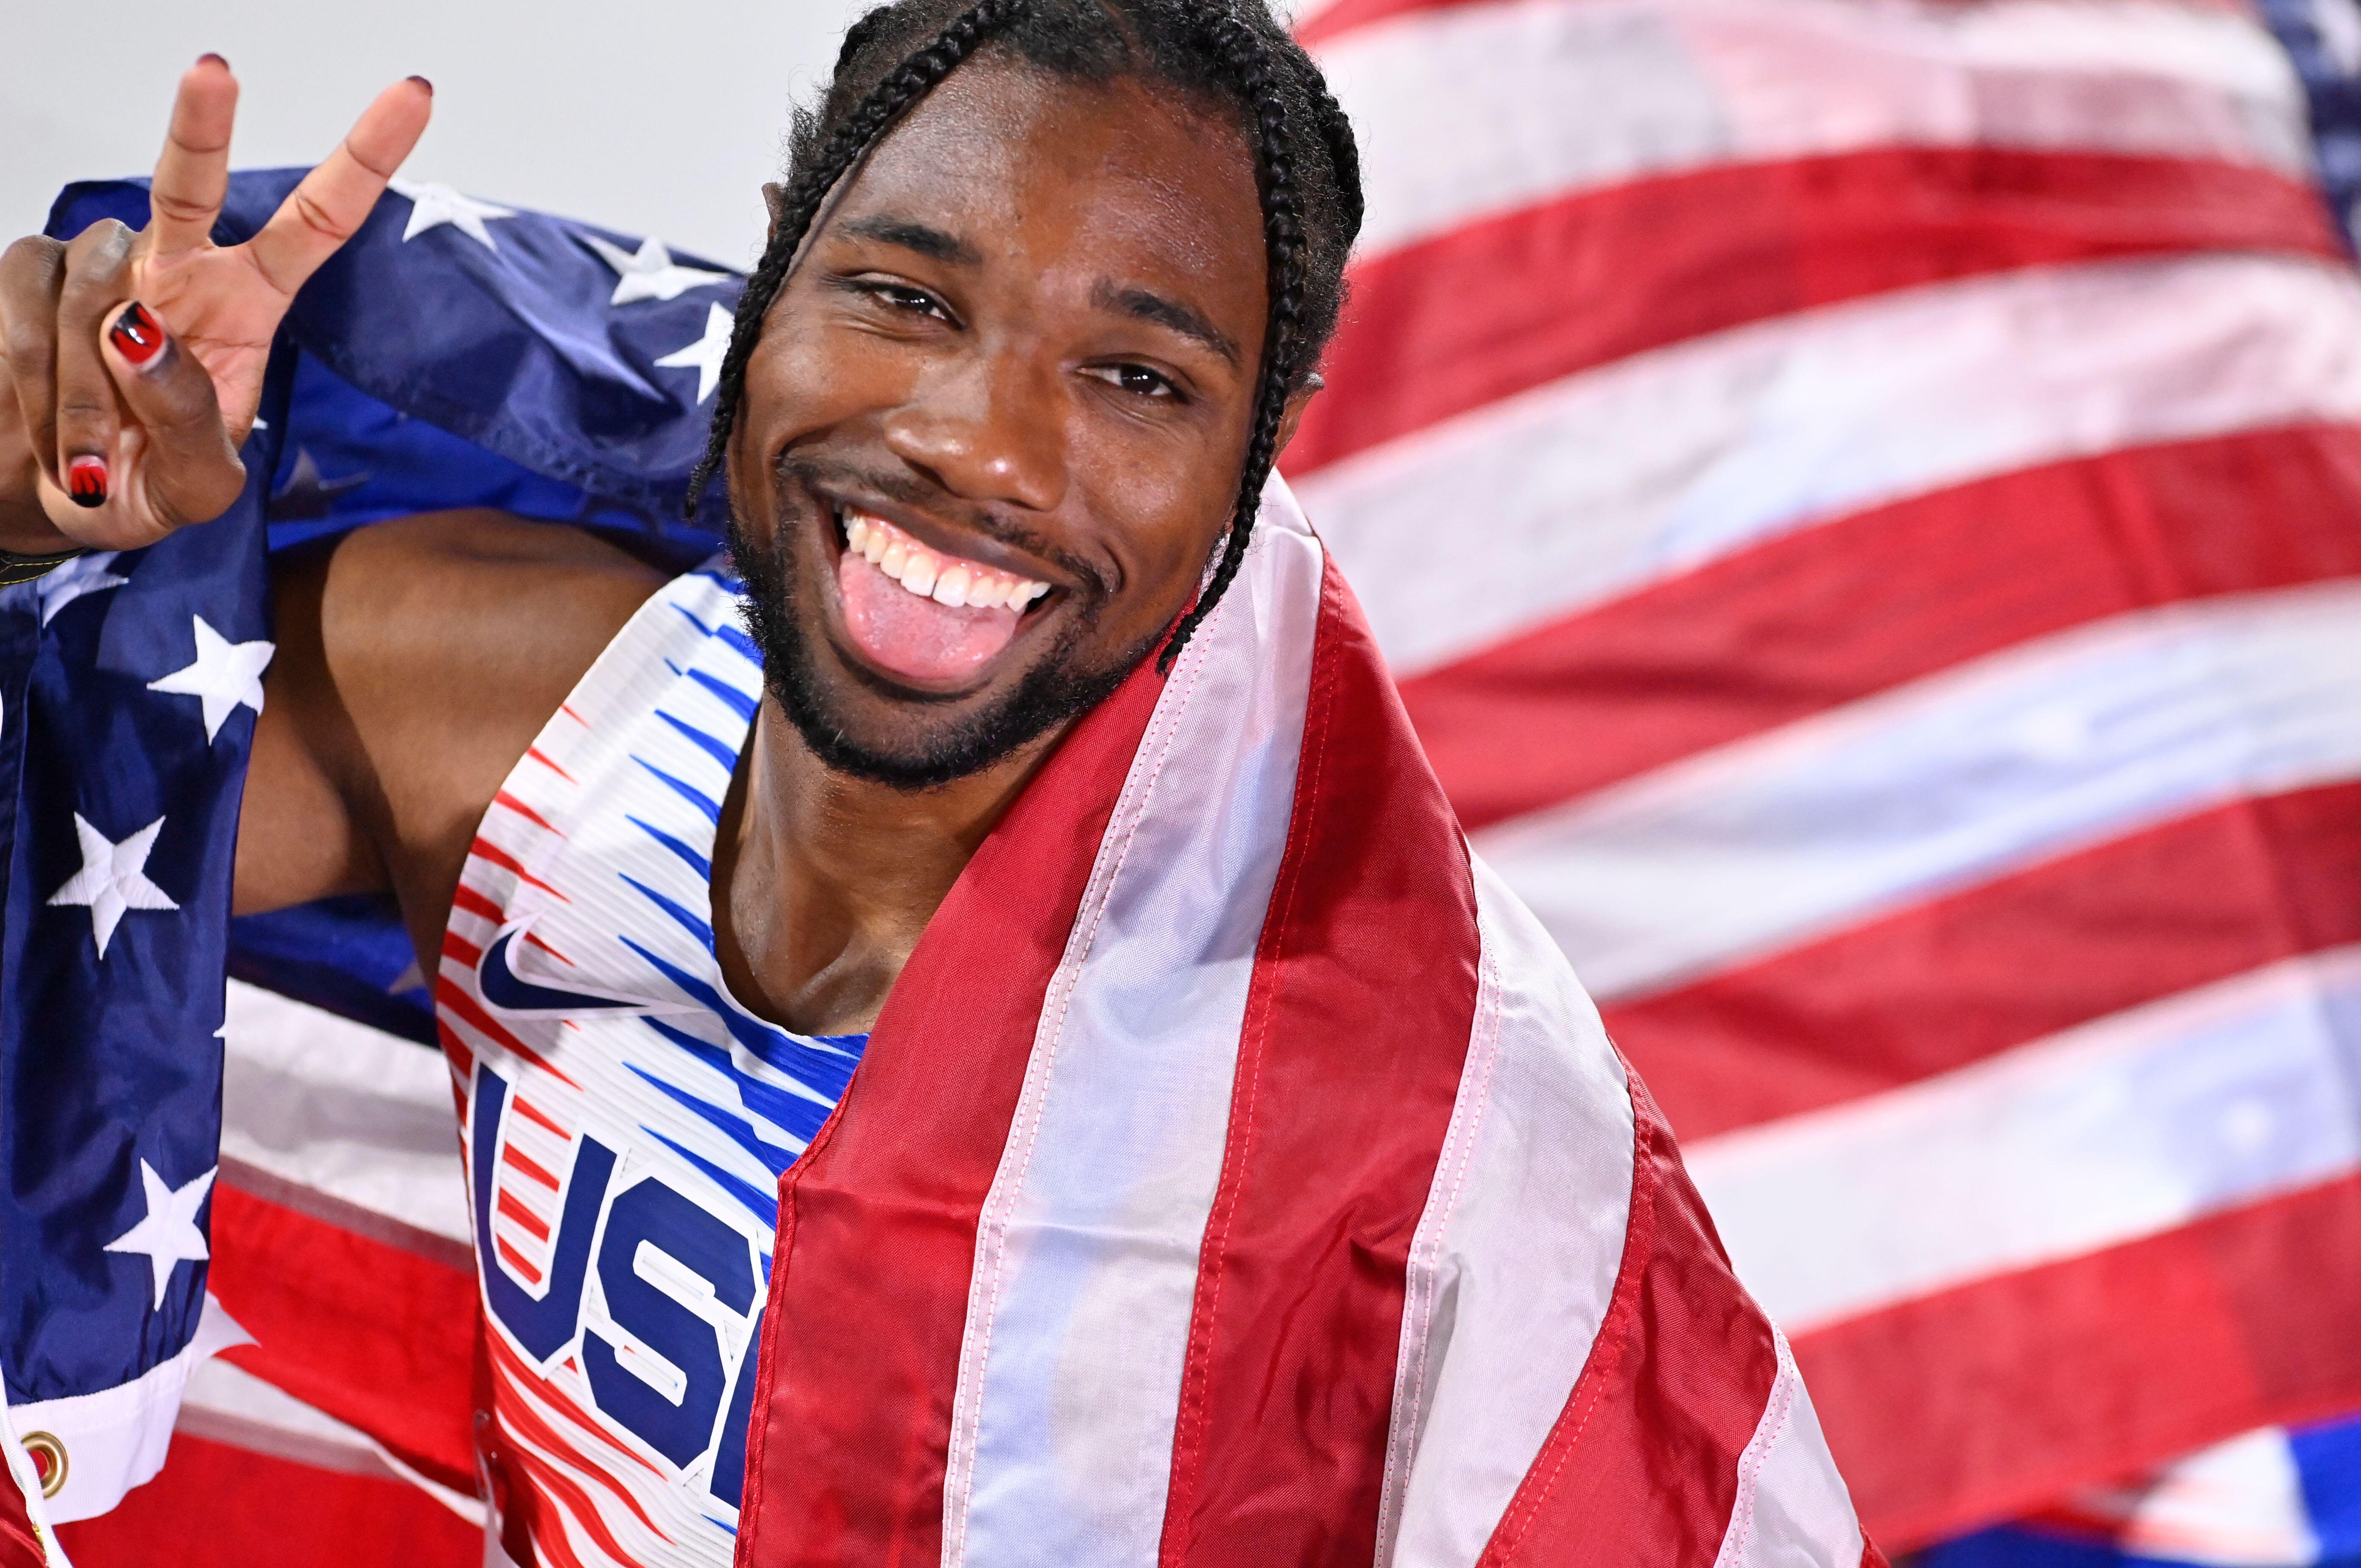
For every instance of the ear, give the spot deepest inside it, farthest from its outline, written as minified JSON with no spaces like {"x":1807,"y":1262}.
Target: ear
{"x":774,"y":196}
{"x":1292,"y":415}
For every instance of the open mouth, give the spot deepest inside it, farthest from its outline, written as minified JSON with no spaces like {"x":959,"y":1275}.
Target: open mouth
{"x":923,"y":613}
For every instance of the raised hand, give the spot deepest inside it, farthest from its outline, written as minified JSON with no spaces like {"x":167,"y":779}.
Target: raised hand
{"x":137,"y":358}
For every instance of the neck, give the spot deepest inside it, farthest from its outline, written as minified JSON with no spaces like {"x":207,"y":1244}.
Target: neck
{"x":823,"y":882}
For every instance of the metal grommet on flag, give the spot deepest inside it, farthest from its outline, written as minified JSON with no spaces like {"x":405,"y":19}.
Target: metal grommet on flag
{"x":49,"y":1456}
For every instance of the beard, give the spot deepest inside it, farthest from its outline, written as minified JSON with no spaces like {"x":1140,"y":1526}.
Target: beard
{"x":940,"y":747}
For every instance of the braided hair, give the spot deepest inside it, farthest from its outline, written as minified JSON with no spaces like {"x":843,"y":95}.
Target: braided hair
{"x":1231,"y":55}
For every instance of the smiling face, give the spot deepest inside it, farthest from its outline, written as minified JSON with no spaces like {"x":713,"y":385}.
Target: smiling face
{"x":995,"y":425}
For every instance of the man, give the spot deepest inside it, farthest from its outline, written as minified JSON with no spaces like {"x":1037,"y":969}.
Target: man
{"x":1231,"y":1173}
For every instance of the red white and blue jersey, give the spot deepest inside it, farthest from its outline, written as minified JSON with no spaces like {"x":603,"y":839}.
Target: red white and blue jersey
{"x":625,"y":1118}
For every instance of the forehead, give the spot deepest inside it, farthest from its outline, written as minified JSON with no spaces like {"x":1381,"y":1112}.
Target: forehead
{"x":1115,"y":179}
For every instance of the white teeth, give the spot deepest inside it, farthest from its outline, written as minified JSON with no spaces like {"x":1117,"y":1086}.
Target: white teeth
{"x":953,"y":582}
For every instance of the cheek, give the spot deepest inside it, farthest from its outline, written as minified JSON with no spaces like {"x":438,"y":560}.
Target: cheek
{"x":804,"y":379}
{"x":1171,"y":496}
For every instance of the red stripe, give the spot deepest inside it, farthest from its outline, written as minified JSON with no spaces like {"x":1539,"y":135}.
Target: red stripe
{"x":216,"y":1505}
{"x":536,"y":754}
{"x":1496,"y":307}
{"x":2026,"y":1386}
{"x":377,"y":1336}
{"x":521,"y":809}
{"x":484,"y":849}
{"x":1640,"y":1469}
{"x":877,"y":1221}
{"x":510,"y":1155}
{"x":1950,"y":982}
{"x":516,"y":1260}
{"x":455,"y":1001}
{"x":20,"y":1547}
{"x":1827,"y":615}
{"x":1344,"y":16}
{"x":475,"y":902}
{"x":551,"y":1394}
{"x":459,"y":947}
{"x":532,"y":941}
{"x":534,"y":1223}
{"x":1355,"y":1031}
{"x":520,"y":1420}
{"x":463,"y":1059}
{"x":534,"y":1113}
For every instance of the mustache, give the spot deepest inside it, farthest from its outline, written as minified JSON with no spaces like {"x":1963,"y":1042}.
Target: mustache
{"x":818,"y":475}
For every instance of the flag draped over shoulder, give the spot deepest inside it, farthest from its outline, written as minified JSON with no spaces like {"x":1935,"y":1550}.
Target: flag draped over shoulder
{"x":1258,"y":1185}
{"x":1239,"y":1173}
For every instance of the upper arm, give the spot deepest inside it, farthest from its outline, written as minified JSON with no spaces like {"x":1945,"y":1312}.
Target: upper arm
{"x":417,"y":659}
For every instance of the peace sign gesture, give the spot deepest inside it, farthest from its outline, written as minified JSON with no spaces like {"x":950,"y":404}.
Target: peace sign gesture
{"x":136,"y":360}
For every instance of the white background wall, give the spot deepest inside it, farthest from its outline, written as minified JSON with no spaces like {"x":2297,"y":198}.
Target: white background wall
{"x":658,"y":119}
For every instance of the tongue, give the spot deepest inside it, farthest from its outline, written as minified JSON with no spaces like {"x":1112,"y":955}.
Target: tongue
{"x":913,"y":636}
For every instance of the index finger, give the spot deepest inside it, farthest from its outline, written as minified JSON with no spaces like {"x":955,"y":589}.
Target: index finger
{"x":192,"y":171}
{"x":336,"y":198}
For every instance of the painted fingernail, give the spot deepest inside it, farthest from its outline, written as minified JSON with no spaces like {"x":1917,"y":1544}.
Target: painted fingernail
{"x":215,"y":58}
{"x":86,"y":480}
{"x":136,"y":334}
{"x":424,"y":82}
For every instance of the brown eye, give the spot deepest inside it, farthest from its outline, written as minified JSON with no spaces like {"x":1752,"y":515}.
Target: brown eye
{"x":1137,"y":379}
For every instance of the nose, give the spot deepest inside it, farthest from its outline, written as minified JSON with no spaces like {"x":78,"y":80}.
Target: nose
{"x":986,"y":428}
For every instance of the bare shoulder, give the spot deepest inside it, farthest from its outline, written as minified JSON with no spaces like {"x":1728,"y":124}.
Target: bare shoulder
{"x":460,"y":627}
{"x":471,"y":582}
{"x":417,"y":659}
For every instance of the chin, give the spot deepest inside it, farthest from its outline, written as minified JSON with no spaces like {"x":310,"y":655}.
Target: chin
{"x":875,"y":723}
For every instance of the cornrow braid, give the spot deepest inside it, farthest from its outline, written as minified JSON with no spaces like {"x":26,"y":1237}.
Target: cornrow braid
{"x":809,"y":188}
{"x":1282,"y":229}
{"x":1231,"y":54}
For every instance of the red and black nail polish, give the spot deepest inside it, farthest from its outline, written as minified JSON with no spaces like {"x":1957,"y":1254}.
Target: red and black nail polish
{"x":86,"y":480}
{"x":136,"y":334}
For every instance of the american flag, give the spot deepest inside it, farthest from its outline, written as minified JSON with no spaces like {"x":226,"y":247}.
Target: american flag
{"x":1864,"y":503}
{"x":1861,"y":500}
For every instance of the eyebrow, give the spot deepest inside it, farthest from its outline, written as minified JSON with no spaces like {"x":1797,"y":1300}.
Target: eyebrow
{"x":1141,"y":305}
{"x":911,"y":234}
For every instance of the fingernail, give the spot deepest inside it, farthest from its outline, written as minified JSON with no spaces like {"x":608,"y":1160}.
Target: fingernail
{"x":136,"y":334}
{"x":215,"y":58}
{"x":86,"y":480}
{"x":424,"y":82}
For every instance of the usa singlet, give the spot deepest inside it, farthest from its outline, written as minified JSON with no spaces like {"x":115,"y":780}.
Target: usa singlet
{"x":624,"y":1120}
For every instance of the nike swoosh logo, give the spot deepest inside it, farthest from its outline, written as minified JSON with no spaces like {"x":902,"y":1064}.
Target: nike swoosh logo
{"x":509,"y":992}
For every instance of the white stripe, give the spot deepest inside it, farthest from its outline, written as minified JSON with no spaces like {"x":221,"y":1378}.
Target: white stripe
{"x":1087,"y":1250}
{"x":1505,"y":1294}
{"x":116,"y":1439}
{"x":343,"y":1109}
{"x":1791,"y":1510}
{"x":2238,"y":1504}
{"x":1601,"y":483}
{"x":1467,"y":111}
{"x":2123,"y":1128}
{"x":1980,"y":770}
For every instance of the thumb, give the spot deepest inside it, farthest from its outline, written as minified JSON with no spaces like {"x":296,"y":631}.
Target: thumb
{"x":190,"y":470}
